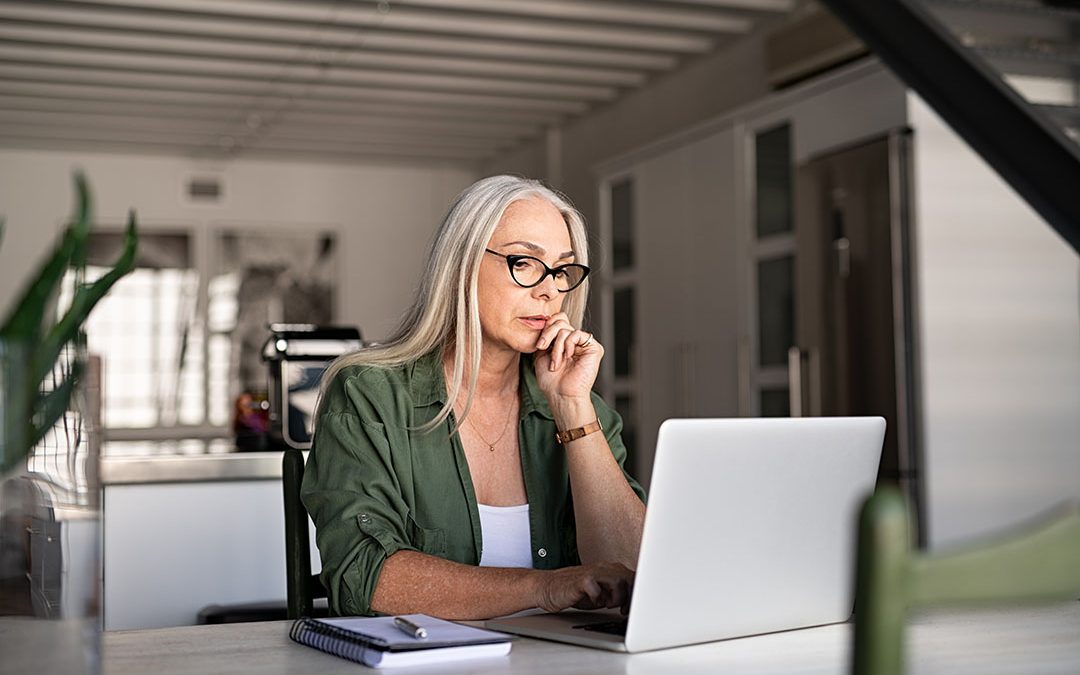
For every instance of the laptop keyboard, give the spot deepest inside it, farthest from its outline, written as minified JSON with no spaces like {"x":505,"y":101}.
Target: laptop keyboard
{"x":617,"y":627}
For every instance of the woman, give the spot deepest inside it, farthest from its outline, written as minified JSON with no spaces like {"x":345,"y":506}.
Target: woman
{"x":435,"y":480}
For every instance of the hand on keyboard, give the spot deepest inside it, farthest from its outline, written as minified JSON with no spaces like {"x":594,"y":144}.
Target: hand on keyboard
{"x":597,"y":586}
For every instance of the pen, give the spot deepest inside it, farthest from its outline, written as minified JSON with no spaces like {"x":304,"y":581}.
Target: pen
{"x":409,"y":627}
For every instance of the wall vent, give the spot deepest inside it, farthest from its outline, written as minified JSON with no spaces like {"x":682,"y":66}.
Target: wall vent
{"x":205,"y":189}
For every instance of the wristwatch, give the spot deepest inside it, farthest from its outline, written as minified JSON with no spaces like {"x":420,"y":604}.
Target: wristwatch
{"x":565,"y":437}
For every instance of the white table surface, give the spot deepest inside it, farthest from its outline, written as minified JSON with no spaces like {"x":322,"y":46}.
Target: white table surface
{"x":1043,"y":639}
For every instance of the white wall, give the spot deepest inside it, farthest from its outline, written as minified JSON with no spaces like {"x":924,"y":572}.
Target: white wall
{"x":999,"y":301}
{"x":671,"y":103}
{"x":385,"y":213}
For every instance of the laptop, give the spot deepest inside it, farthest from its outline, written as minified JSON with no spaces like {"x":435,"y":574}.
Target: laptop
{"x":750,"y":529}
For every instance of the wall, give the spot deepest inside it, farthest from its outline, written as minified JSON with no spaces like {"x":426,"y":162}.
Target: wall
{"x":704,"y":89}
{"x":1000,"y":313}
{"x":385,"y":214}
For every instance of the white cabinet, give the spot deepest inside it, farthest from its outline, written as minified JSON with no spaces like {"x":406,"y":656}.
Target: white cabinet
{"x":695,"y":315}
{"x":995,"y":300}
{"x":170,"y":549}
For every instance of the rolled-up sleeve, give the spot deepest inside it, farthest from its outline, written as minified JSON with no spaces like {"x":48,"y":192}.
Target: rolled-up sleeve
{"x":351,"y":490}
{"x":613,"y":425}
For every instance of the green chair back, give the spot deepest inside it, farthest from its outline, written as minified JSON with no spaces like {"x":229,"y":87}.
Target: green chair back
{"x":302,"y":588}
{"x":1041,"y":562}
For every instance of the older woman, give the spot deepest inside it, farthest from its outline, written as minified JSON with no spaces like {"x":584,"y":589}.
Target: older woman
{"x":465,"y":469}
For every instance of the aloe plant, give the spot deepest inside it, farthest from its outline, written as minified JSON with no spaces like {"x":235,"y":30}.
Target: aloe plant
{"x":32,"y":338}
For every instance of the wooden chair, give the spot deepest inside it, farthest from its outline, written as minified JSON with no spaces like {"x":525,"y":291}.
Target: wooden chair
{"x":302,"y":588}
{"x":1040,"y":563}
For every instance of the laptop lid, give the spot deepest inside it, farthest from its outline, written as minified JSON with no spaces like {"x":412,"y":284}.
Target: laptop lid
{"x":751,"y":527}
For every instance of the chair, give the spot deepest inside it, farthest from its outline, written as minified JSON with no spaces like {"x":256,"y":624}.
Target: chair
{"x":1039,"y":563}
{"x":302,"y":588}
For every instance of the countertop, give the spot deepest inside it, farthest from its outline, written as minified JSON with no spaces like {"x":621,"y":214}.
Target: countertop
{"x":125,"y":463}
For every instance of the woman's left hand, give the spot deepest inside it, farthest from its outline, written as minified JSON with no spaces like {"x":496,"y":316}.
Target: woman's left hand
{"x":567,"y":360}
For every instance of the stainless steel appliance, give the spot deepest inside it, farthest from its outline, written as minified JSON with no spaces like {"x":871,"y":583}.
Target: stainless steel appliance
{"x":297,"y":355}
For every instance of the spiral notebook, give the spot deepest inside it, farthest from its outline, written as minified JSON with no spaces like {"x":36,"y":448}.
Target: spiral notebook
{"x":377,"y":642}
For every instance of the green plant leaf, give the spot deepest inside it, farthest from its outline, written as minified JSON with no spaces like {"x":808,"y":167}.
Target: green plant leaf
{"x":36,"y":423}
{"x":26,"y":317}
{"x":52,"y":405}
{"x":28,"y":357}
{"x":84,"y":215}
{"x":18,"y":398}
{"x":67,"y":329}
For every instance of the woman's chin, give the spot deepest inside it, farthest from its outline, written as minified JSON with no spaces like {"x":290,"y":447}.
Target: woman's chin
{"x":522,"y":344}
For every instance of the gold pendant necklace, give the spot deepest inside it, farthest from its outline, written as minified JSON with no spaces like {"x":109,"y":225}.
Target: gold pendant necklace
{"x":506,"y":425}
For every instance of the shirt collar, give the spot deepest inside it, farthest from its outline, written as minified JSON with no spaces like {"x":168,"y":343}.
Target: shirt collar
{"x":426,"y":383}
{"x":429,"y":386}
{"x":532,"y":398}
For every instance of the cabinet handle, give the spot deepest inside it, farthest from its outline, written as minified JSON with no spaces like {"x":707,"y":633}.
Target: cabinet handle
{"x":804,"y":402}
{"x":794,"y":374}
{"x":744,"y":376}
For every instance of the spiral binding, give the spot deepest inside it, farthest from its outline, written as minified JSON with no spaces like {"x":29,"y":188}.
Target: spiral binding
{"x":332,"y":640}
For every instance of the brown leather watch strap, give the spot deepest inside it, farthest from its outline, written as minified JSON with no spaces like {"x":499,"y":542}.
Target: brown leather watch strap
{"x":565,"y":437}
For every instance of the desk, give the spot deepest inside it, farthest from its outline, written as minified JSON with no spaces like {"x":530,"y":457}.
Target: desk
{"x":1030,"y":640}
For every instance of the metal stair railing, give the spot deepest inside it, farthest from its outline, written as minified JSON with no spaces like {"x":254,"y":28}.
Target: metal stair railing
{"x":1034,"y":155}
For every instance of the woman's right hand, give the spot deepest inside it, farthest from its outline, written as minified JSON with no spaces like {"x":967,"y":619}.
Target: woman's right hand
{"x":596,"y":586}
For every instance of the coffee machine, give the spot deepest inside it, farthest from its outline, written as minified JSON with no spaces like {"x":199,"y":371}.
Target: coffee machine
{"x":296,"y":356}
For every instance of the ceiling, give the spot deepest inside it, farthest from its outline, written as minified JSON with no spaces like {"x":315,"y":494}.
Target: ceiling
{"x":444,"y":80}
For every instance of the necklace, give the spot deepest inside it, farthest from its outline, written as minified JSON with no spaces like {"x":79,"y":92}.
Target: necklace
{"x":506,"y":425}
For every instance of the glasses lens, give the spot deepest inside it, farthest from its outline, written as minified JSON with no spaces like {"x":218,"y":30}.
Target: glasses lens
{"x":527,"y":271}
{"x":569,"y":276}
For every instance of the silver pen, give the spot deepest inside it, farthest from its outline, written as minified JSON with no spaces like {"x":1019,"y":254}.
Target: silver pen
{"x":403,"y":624}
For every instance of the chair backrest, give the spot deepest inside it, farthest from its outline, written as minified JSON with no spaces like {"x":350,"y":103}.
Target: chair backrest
{"x":301,"y":587}
{"x":1041,"y":562}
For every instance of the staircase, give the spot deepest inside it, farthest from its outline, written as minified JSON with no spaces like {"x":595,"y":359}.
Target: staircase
{"x":1033,"y":45}
{"x":1003,"y":74}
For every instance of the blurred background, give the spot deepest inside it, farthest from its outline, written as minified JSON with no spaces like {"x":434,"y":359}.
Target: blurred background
{"x":785,"y":220}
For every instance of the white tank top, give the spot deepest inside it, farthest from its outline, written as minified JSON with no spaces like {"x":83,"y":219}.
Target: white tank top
{"x":506,"y":536}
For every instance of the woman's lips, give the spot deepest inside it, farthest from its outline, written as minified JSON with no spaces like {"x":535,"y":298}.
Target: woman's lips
{"x":534,"y":322}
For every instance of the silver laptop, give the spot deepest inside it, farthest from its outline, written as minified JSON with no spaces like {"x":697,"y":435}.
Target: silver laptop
{"x":750,"y":529}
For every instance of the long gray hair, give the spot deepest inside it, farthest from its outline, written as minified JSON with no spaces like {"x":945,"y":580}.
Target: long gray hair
{"x":445,"y":312}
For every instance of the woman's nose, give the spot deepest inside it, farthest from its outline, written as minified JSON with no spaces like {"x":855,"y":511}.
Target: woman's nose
{"x":546,"y":288}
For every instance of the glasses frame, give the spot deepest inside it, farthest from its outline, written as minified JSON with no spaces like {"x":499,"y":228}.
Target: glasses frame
{"x":512,"y":258}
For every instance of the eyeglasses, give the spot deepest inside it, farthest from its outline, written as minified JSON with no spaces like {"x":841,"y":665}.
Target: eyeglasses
{"x":528,"y":271}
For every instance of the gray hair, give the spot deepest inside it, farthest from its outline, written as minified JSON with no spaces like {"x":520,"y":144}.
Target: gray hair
{"x":445,"y":311}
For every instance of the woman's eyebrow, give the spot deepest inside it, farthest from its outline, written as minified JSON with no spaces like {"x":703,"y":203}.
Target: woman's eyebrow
{"x":536,"y":248}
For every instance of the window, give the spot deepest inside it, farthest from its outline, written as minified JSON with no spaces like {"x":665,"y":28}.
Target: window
{"x":180,"y":338}
{"x":773,"y":269}
{"x":773,"y":178}
{"x":147,"y":332}
{"x":618,"y":281}
{"x":622,"y":224}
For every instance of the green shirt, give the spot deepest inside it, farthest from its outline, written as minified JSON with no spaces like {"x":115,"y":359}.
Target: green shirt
{"x":375,"y":485}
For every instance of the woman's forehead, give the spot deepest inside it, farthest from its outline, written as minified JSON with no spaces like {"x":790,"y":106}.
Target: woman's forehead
{"x":534,"y":220}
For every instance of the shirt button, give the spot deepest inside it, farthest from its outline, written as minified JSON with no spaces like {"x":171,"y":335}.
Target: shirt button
{"x":542,"y":553}
{"x":365,"y":518}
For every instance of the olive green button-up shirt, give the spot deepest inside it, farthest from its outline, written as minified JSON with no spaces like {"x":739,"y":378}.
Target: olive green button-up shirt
{"x":375,"y":485}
